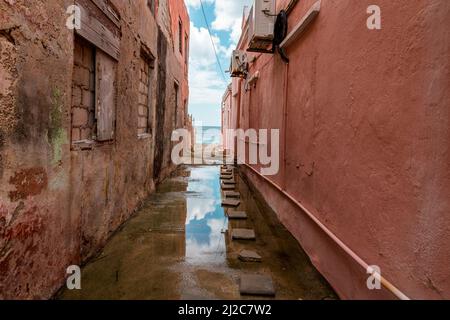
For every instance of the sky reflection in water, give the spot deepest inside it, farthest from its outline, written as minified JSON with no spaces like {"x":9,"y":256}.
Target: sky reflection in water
{"x":205,"y":241}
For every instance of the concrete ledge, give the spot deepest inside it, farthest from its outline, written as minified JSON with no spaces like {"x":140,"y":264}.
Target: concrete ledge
{"x":300,"y":28}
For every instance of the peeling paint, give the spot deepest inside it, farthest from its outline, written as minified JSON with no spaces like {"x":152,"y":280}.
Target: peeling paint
{"x":27,"y":182}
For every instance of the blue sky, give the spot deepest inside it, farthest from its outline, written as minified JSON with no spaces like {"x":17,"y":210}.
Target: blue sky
{"x":207,"y":86}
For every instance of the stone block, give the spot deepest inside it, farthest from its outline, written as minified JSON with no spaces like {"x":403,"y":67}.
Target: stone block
{"x":231,"y":194}
{"x":243,"y":234}
{"x":143,"y":110}
{"x":142,"y":122}
{"x":88,"y":99}
{"x":79,"y":117}
{"x":230,"y":203}
{"x":237,"y":215}
{"x":257,"y":285}
{"x":76,"y":134}
{"x":81,"y":77}
{"x":76,"y":96}
{"x":249,"y":256}
{"x":86,"y":134}
{"x":228,"y":186}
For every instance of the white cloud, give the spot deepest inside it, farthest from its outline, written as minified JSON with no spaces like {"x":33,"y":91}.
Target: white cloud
{"x":229,"y":17}
{"x":196,"y":3}
{"x":206,"y":84}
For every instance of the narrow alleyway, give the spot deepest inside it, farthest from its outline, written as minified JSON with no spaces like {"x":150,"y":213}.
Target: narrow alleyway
{"x":179,"y":246}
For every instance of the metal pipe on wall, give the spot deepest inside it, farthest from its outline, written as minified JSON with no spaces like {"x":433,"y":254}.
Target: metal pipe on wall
{"x":388,"y":285}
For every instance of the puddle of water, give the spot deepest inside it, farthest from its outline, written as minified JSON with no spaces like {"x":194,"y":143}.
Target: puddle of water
{"x":177,"y":247}
{"x":206,"y":221}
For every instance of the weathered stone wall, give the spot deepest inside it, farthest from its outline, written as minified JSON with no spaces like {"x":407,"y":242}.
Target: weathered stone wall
{"x":169,"y":13}
{"x":59,"y":204}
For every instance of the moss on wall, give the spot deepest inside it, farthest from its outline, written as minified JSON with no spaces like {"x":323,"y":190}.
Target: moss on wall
{"x":57,"y":136}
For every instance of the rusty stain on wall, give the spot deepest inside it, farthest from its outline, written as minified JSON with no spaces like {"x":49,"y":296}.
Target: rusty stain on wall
{"x":27,"y":182}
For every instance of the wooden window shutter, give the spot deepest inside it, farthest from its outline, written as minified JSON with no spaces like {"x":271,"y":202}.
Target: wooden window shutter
{"x":93,"y":30}
{"x":105,"y":96}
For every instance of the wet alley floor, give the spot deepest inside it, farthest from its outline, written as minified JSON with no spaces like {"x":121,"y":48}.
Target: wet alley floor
{"x":179,"y":246}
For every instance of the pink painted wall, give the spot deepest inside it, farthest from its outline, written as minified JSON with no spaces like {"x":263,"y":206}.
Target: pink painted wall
{"x":227,"y":114}
{"x":365,"y":141}
{"x":179,"y":11}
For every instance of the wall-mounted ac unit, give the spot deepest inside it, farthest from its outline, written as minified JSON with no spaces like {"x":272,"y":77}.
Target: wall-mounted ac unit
{"x":239,"y":64}
{"x":261,"y":25}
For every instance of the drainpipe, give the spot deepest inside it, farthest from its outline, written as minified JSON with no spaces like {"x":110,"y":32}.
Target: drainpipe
{"x":291,"y":6}
{"x":388,"y":285}
{"x":284,"y":122}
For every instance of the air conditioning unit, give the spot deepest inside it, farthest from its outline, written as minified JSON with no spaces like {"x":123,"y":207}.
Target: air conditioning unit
{"x":239,"y":64}
{"x":261,"y":25}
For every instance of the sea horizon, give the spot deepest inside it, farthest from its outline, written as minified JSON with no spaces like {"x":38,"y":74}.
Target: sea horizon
{"x":208,"y":134}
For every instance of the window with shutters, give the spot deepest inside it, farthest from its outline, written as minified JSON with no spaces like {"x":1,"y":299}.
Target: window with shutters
{"x":93,"y":94}
{"x":105,"y":93}
{"x":83,"y":91}
{"x":96,"y":52}
{"x":145,"y":103}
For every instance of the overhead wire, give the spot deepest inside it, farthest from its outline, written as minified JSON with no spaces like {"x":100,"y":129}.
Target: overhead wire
{"x":212,"y":42}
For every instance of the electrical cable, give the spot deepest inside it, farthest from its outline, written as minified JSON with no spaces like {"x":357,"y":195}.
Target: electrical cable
{"x":213,"y":44}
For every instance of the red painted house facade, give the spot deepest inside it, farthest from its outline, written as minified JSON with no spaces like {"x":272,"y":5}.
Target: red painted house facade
{"x":364,"y":118}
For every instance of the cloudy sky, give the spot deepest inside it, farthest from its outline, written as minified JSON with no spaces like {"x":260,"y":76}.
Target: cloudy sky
{"x":207,"y":86}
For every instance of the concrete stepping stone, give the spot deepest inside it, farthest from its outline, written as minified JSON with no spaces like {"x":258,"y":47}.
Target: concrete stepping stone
{"x":237,"y":215}
{"x":249,"y":256}
{"x":232,"y":194}
{"x":243,"y":234}
{"x":257,"y":285}
{"x":231,"y":202}
{"x":229,"y":181}
{"x":228,"y":186}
